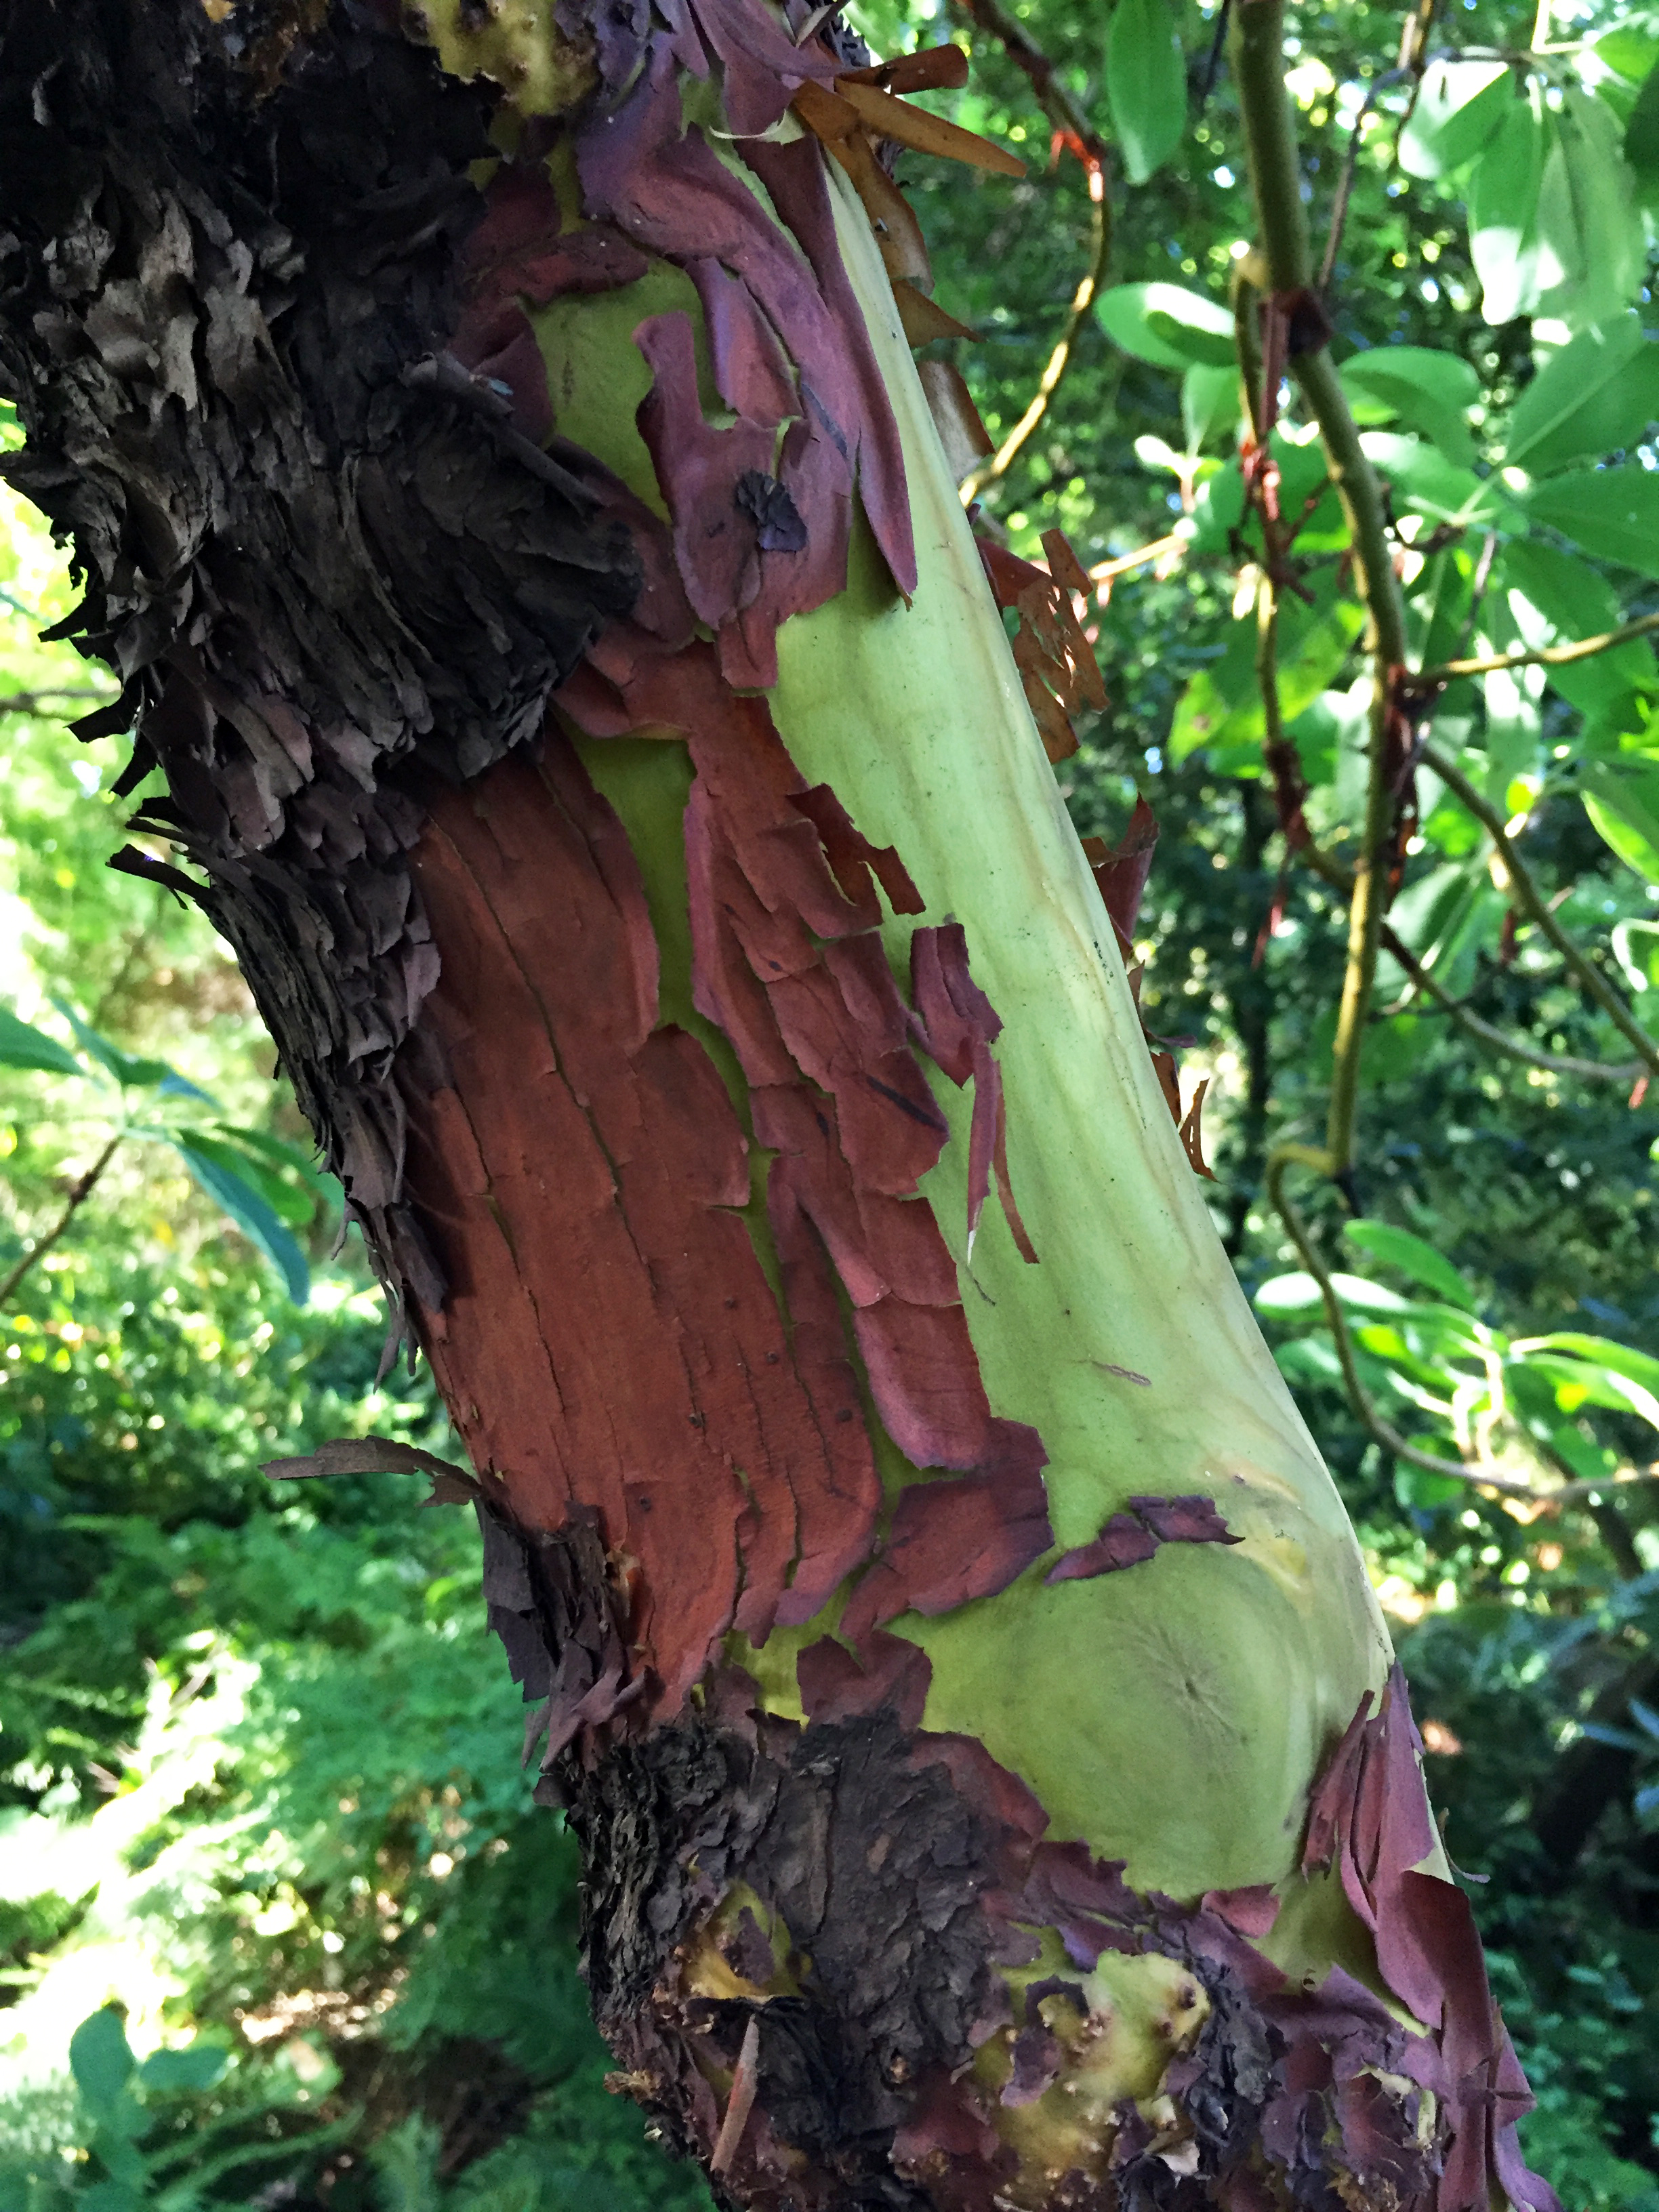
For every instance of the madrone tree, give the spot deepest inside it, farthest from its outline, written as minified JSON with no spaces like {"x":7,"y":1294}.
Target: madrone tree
{"x":490,"y":441}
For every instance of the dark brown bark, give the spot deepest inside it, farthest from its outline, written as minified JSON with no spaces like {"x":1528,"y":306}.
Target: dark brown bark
{"x":318,"y":554}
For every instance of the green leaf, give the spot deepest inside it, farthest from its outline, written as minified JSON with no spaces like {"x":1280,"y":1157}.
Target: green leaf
{"x":1217,"y":510}
{"x":1426,"y":482}
{"x":111,"y":2197}
{"x":182,"y":2073}
{"x":1555,"y":599}
{"x":1589,"y":1462}
{"x":1155,"y":454}
{"x":1145,"y":85}
{"x":1613,"y":514}
{"x":1419,"y":1491}
{"x":1593,"y":250}
{"x":1441,"y":599}
{"x":1167,"y":326}
{"x":1417,"y":1262}
{"x":132,"y":1074}
{"x":1641,"y":142}
{"x":1574,"y":600}
{"x":228,"y":1186}
{"x":1298,"y":1292}
{"x":1222,"y":704}
{"x":1596,"y":395}
{"x":1428,"y":392}
{"x":1594,"y":1383}
{"x":1443,"y":916}
{"x":23,"y":1045}
{"x":290,"y":1202}
{"x":1630,"y":52}
{"x":1504,"y":210}
{"x":1635,"y":948}
{"x":1459,"y":109}
{"x":101,"y":2059}
{"x":1621,"y":798}
{"x":1209,"y":404}
{"x":289,"y":1159}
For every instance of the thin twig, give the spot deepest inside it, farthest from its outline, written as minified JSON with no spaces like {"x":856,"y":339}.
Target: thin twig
{"x":1103,"y":571}
{"x":1477,"y":585}
{"x":1074,"y":129}
{"x":745,"y":2081}
{"x":79,"y":1193}
{"x":1066,"y":113}
{"x":1497,"y":1040}
{"x":1061,"y":359}
{"x":1344,"y":184}
{"x":1542,"y":656}
{"x":28,"y":702}
{"x":1364,"y":1405}
{"x":1537,"y":906}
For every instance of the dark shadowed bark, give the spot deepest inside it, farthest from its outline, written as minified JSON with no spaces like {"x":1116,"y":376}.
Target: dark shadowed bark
{"x":499,"y":478}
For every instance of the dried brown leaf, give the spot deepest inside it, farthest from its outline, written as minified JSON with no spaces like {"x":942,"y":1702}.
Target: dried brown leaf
{"x":923,"y":319}
{"x":934,"y":68}
{"x":888,"y":118}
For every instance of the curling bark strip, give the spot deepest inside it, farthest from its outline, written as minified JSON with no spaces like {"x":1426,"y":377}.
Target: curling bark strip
{"x":500,"y":476}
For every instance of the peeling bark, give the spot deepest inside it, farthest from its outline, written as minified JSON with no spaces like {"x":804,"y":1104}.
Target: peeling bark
{"x":637,"y":1050}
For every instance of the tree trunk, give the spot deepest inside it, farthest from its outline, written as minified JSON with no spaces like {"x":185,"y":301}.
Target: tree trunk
{"x":540,"y":582}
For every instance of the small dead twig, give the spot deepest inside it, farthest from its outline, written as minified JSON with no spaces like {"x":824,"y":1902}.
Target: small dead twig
{"x":745,"y":2081}
{"x":80,"y":1191}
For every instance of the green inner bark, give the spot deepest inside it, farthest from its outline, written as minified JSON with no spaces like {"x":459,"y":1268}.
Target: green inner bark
{"x":1174,"y":1714}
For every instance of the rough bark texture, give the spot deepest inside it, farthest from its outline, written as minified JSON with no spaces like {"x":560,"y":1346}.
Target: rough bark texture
{"x":655,"y":1210}
{"x":315,"y":550}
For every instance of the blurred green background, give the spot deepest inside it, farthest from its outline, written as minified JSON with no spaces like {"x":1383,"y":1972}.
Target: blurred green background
{"x":278,"y":1925}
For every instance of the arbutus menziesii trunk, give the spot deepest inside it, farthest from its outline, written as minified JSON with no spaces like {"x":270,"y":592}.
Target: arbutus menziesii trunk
{"x":501,"y":481}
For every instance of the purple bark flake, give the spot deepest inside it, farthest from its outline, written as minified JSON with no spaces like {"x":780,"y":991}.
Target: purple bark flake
{"x":697,"y":467}
{"x":1122,"y":873}
{"x":1122,"y":1543}
{"x":794,"y":177}
{"x":850,"y":853}
{"x":619,"y":29}
{"x":748,"y":1950}
{"x":1037,"y":2059}
{"x":760,"y":67}
{"x":1369,"y":1814}
{"x":1130,"y":1538}
{"x":778,"y":525}
{"x":1191,"y":1520}
{"x":955,"y":1541}
{"x":495,"y":343}
{"x":1251,"y":1911}
{"x":837,"y":1685}
{"x":751,"y":372}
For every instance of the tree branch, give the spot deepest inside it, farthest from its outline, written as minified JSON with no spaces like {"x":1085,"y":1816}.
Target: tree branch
{"x":1543,"y":656}
{"x":1537,"y":908}
{"x":1073,"y":128}
{"x":79,"y":1193}
{"x":1497,"y":1040}
{"x":1061,"y":359}
{"x":1276,"y":187}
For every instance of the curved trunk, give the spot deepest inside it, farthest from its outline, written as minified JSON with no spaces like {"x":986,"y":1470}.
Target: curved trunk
{"x":540,"y":580}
